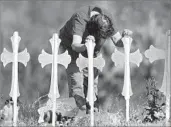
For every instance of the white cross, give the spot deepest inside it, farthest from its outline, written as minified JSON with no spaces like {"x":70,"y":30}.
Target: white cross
{"x":82,"y":62}
{"x":90,"y":62}
{"x":15,"y":57}
{"x":154,"y":54}
{"x":45,"y":59}
{"x":124,"y":59}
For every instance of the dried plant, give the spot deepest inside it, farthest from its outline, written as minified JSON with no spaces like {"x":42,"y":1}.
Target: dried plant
{"x":154,"y":109}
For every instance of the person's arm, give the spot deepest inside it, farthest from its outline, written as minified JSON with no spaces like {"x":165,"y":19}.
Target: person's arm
{"x":76,"y":44}
{"x":79,"y":24}
{"x":117,"y":39}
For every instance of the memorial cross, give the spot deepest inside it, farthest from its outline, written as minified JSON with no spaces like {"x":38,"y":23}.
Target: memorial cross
{"x":15,"y":57}
{"x":154,"y":54}
{"x":90,"y":62}
{"x":54,"y":59}
{"x":125,"y":59}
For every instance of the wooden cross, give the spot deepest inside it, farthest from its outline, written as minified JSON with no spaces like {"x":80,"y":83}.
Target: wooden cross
{"x":45,"y":59}
{"x":82,"y":62}
{"x":154,"y":54}
{"x":15,"y":57}
{"x":119,"y":59}
{"x":89,"y":62}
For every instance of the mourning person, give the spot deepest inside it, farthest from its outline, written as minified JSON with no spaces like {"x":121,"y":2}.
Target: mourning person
{"x":88,"y":20}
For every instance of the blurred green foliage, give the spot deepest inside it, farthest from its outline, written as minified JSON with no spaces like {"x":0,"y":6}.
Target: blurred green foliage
{"x":36,"y":21}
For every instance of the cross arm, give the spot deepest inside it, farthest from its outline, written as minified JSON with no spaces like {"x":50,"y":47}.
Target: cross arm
{"x":44,"y":58}
{"x":154,"y":54}
{"x":23,"y":57}
{"x":136,"y":57}
{"x":118,"y":58}
{"x":64,"y":59}
{"x":6,"y":57}
{"x":82,"y":62}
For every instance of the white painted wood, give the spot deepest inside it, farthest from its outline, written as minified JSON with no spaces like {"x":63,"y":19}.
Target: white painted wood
{"x":118,"y":58}
{"x":15,"y":57}
{"x":46,"y":58}
{"x":121,"y":59}
{"x":168,"y":77}
{"x":154,"y":54}
{"x":165,"y":88}
{"x":23,"y":57}
{"x":136,"y":57}
{"x":82,"y":62}
{"x":54,"y":59}
{"x":90,"y":44}
{"x":15,"y":43}
{"x":90,"y":62}
{"x":127,"y":81}
{"x":55,"y":42}
{"x":49,"y":59}
{"x":98,"y":62}
{"x":54,"y":91}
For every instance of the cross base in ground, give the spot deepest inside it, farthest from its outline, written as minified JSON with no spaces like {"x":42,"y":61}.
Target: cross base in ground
{"x":66,"y":106}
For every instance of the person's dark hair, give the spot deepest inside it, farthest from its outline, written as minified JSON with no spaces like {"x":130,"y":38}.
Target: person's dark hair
{"x":100,"y":26}
{"x":97,"y":9}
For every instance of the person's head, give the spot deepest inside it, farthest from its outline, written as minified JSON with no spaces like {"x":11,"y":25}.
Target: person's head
{"x":100,"y":26}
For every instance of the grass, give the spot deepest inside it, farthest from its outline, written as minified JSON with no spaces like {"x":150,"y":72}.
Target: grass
{"x":28,"y":116}
{"x":109,"y":119}
{"x":101,"y":119}
{"x":114,"y":116}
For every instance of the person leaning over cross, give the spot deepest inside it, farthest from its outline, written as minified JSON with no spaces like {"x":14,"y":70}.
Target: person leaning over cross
{"x":88,"y":20}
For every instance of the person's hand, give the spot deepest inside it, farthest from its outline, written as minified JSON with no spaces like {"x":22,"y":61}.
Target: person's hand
{"x":90,"y":37}
{"x":127,"y":32}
